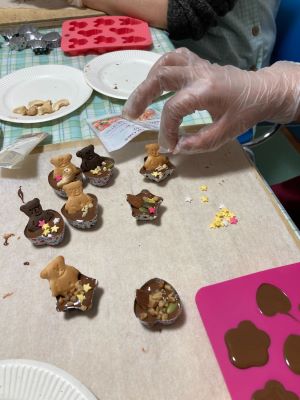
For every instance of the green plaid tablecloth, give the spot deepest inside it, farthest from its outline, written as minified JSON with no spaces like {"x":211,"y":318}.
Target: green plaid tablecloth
{"x":74,"y":126}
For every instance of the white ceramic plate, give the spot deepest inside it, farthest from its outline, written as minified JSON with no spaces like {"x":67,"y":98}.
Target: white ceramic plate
{"x":32,"y":380}
{"x":43,"y":82}
{"x":118,"y":73}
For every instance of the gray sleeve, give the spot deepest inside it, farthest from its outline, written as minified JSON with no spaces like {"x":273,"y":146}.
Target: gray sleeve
{"x":192,"y":18}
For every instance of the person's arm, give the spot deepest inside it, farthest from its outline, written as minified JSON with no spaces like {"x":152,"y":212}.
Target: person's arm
{"x":193,"y":18}
{"x":152,"y":11}
{"x":236,"y":99}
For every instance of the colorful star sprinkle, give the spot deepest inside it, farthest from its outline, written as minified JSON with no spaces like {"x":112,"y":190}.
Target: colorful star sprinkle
{"x":45,"y":226}
{"x":223,"y":218}
{"x":204,"y":199}
{"x":203,"y":188}
{"x":41,"y":223}
{"x":56,"y":221}
{"x":151,"y":210}
{"x":87,"y":287}
{"x":54,"y":228}
{"x":80,"y":297}
{"x":46,"y":232}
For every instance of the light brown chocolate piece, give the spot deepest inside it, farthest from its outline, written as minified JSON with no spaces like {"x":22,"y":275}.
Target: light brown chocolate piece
{"x":247,"y":345}
{"x":154,"y":158}
{"x":274,"y":390}
{"x":271,"y":300}
{"x":61,"y":163}
{"x":292,"y":353}
{"x":157,"y":302}
{"x":77,"y":200}
{"x":62,"y":278}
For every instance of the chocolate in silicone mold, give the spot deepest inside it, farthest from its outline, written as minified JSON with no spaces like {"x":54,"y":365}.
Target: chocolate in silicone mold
{"x":271,"y":300}
{"x":274,"y":390}
{"x":103,"y":34}
{"x":292,"y":353}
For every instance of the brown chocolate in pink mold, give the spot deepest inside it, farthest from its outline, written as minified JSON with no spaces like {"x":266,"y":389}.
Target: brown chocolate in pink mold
{"x":274,"y":390}
{"x":292,"y":353}
{"x":247,"y":345}
{"x":271,"y":300}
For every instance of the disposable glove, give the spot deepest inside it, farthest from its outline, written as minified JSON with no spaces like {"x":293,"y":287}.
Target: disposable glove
{"x":236,"y":99}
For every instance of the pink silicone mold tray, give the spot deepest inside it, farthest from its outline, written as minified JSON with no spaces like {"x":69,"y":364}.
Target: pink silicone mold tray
{"x":103,"y":34}
{"x":225,"y":305}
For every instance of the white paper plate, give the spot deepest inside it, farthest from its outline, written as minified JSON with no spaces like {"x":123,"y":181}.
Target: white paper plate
{"x":118,"y":73}
{"x":43,"y":82}
{"x":32,"y":380}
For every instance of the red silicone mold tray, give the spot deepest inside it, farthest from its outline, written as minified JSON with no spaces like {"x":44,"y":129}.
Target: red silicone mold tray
{"x":224,"y":305}
{"x":104,"y":34}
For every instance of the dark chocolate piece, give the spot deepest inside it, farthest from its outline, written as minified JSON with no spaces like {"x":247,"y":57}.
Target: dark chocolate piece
{"x":292,"y":353}
{"x":34,"y":211}
{"x":247,"y":345}
{"x":21,"y":194}
{"x":90,"y":159}
{"x":271,"y":300}
{"x":274,"y":390}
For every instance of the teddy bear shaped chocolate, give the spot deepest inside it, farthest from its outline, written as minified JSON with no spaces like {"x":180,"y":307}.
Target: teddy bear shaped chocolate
{"x":73,"y":290}
{"x":62,"y":278}
{"x":157,"y":167}
{"x":90,"y":159}
{"x":154,"y":159}
{"x":34,"y":211}
{"x":77,"y":200}
{"x":64,"y":171}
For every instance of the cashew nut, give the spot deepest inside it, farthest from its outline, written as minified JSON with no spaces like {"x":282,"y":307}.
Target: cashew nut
{"x":60,"y":103}
{"x":36,"y":103}
{"x":46,"y":108}
{"x":20,"y":110}
{"x":32,"y":110}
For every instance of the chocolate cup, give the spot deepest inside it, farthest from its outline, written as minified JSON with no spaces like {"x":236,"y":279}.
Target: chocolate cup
{"x":55,"y":239}
{"x":148,"y":174}
{"x":88,"y":302}
{"x":86,"y":222}
{"x":59,"y":191}
{"x":149,"y":286}
{"x":103,"y":178}
{"x":141,"y":216}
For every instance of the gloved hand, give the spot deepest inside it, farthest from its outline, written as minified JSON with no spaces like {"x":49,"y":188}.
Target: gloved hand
{"x":236,"y":99}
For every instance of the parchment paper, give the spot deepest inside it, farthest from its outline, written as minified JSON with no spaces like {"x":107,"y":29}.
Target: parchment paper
{"x":108,"y":349}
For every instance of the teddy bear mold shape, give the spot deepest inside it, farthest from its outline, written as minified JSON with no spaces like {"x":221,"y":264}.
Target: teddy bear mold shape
{"x":81,"y":210}
{"x":64,"y":172}
{"x":97,"y":169}
{"x":157,"y":167}
{"x":45,"y":227}
{"x":72,"y":289}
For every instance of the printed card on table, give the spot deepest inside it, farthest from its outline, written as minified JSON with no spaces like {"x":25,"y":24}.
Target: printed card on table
{"x":115,"y":131}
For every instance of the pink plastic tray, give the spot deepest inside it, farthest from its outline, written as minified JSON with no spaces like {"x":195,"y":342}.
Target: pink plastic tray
{"x":223,"y":306}
{"x":103,"y":34}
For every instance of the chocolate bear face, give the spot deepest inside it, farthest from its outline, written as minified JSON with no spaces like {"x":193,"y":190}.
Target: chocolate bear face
{"x":90,"y":159}
{"x":34,"y":211}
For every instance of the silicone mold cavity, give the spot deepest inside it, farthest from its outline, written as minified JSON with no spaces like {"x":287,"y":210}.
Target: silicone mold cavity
{"x":90,"y":32}
{"x":97,"y":35}
{"x":102,"y":21}
{"x":104,"y":39}
{"x":130,"y":21}
{"x":132,"y":39}
{"x":121,"y":31}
